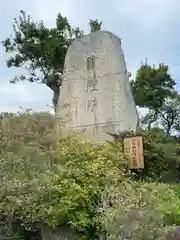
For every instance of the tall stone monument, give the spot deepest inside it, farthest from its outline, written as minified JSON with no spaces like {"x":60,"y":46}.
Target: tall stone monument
{"x":95,"y":95}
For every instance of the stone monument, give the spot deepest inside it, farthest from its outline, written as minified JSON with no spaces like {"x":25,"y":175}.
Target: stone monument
{"x":95,"y":95}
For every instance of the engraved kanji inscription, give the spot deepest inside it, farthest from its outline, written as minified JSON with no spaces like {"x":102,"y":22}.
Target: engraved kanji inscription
{"x":92,"y":79}
{"x":91,"y":106}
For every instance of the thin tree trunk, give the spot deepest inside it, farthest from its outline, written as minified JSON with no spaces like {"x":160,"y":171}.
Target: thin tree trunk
{"x":152,"y":121}
{"x":56,"y":94}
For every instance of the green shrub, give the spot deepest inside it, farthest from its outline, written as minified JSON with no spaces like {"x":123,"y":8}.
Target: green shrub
{"x":172,"y":216}
{"x":74,"y":182}
{"x":161,"y":160}
{"x":54,"y":183}
{"x":7,"y":232}
{"x":135,"y":211}
{"x":27,"y":145}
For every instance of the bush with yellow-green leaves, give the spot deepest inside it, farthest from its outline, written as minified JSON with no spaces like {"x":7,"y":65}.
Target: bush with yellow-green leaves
{"x":44,"y":181}
{"x":74,"y":182}
{"x":137,"y":211}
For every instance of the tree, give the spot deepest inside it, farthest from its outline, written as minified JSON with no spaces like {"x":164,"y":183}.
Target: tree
{"x":151,"y":87}
{"x":170,"y":113}
{"x":95,"y":25}
{"x":41,"y":50}
{"x":149,"y":118}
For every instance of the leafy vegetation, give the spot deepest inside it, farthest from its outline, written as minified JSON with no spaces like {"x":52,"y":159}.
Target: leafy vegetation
{"x":45,"y":182}
{"x":154,"y":89}
{"x":82,"y":185}
{"x":137,"y":211}
{"x":41,"y":50}
{"x":69,"y":181}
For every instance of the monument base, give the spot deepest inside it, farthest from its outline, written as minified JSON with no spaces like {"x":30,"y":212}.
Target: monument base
{"x":103,"y":131}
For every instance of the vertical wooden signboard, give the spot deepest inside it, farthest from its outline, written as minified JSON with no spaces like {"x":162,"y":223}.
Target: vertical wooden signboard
{"x":133,"y":148}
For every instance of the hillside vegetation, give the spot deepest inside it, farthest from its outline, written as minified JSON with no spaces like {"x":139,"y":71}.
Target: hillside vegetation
{"x":70,"y":181}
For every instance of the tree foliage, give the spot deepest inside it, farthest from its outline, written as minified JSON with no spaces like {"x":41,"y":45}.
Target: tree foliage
{"x":170,"y":114}
{"x":152,"y":86}
{"x":95,"y":25}
{"x":41,"y":50}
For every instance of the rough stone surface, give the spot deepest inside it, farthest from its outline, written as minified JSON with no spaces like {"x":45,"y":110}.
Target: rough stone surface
{"x":96,"y":94}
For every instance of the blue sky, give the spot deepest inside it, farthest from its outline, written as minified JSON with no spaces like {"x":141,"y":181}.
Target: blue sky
{"x":148,"y":29}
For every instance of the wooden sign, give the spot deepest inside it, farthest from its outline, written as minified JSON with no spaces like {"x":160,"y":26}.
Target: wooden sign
{"x":133,"y":148}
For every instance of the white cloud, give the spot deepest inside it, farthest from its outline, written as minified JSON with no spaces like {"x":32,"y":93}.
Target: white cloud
{"x":48,"y":12}
{"x":148,"y":15}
